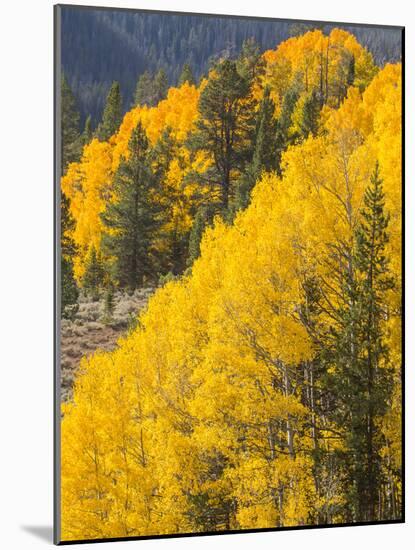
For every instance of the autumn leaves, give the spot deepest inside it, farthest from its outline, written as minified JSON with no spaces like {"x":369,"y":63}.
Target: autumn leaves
{"x":250,"y":386}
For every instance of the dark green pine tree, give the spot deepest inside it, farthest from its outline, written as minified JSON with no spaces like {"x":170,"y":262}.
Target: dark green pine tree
{"x":88,"y":133}
{"x":243,"y":190}
{"x":283,"y":139}
{"x":144,"y":91}
{"x":225,"y":129}
{"x":265,"y":156}
{"x":70,"y":152}
{"x":67,"y":224}
{"x":310,"y":115}
{"x":69,"y":289}
{"x":351,"y":71}
{"x":250,"y":63}
{"x":164,"y":151}
{"x":374,"y":281}
{"x":70,"y":118}
{"x":161,"y":86}
{"x":134,"y":217}
{"x":109,"y":305}
{"x":346,"y":77}
{"x":187,"y":76}
{"x":94,"y":276}
{"x":361,"y":384}
{"x":203,"y":218}
{"x":112,"y":115}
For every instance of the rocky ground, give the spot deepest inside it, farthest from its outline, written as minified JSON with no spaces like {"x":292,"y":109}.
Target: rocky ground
{"x":90,"y":331}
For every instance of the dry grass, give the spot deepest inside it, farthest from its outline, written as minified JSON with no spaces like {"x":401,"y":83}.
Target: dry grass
{"x":89,"y":331}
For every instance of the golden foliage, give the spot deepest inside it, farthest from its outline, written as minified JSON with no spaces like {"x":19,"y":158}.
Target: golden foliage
{"x":199,"y":407}
{"x":88,"y":183}
{"x":316,"y":61}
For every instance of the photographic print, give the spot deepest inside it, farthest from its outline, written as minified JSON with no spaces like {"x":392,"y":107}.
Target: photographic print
{"x":228,"y":274}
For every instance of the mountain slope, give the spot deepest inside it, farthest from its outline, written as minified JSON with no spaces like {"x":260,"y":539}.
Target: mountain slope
{"x":99,"y":46}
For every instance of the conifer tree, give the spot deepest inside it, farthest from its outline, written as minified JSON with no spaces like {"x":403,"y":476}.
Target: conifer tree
{"x":134,"y":216}
{"x":144,"y":90}
{"x":164,"y":151}
{"x":203,"y":218}
{"x":68,"y":247}
{"x":310,"y":115}
{"x":94,"y":275}
{"x":112,"y":115}
{"x":250,"y":63}
{"x":187,"y":76}
{"x":225,"y":130}
{"x":161,"y":86}
{"x":88,"y":133}
{"x":69,"y":125}
{"x":361,"y":384}
{"x":69,"y":289}
{"x":109,"y":305}
{"x":70,"y":152}
{"x":243,"y":190}
{"x":351,"y":71}
{"x":265,"y":154}
{"x":283,"y":138}
{"x":346,"y":73}
{"x":374,"y":281}
{"x":265,"y":142}
{"x":150,"y":90}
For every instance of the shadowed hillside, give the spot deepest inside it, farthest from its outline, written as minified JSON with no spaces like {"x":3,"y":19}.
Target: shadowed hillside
{"x":100,"y":46}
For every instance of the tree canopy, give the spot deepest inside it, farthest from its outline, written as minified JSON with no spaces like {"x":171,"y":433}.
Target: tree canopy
{"x":261,"y":386}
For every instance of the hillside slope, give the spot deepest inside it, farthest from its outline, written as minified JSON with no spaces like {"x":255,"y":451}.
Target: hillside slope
{"x":99,"y":46}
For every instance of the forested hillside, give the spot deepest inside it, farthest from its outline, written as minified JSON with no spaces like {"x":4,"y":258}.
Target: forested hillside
{"x":261,"y":386}
{"x":100,"y":46}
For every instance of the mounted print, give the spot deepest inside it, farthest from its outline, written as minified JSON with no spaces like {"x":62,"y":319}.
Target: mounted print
{"x":228,"y":274}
